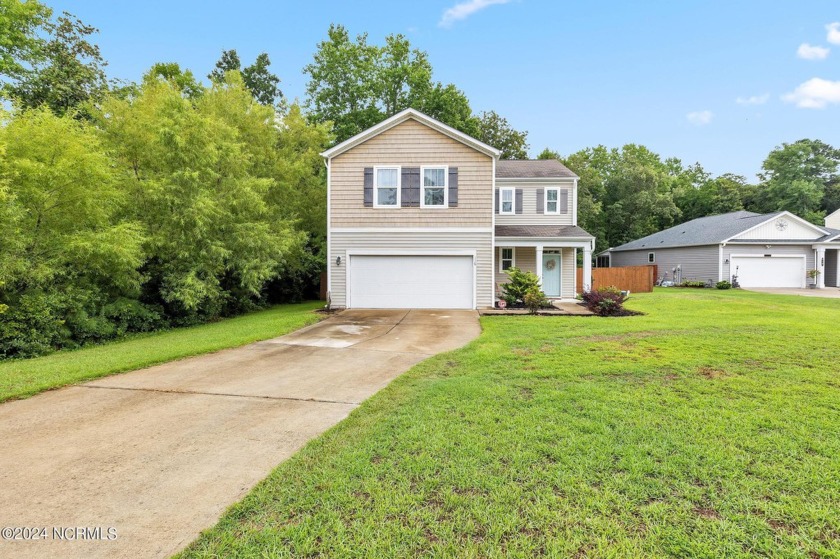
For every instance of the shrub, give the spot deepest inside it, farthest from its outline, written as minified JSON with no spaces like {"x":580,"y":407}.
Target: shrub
{"x":535,"y":299}
{"x":130,"y":315}
{"x":605,"y":301}
{"x":520,"y":283}
{"x":690,"y":283}
{"x":723,"y":285}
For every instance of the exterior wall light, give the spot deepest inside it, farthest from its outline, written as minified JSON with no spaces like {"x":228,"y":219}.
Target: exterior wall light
{"x":338,"y":261}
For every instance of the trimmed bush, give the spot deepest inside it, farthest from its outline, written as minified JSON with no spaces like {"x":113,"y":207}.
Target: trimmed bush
{"x":723,"y":285}
{"x":606,"y":301}
{"x":691,"y":283}
{"x":519,"y":285}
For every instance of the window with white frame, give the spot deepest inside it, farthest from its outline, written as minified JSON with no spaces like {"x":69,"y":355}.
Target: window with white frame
{"x":506,"y":259}
{"x":434,"y":186}
{"x":552,"y":200}
{"x":386,"y":186}
{"x":506,"y":201}
{"x":651,"y":258}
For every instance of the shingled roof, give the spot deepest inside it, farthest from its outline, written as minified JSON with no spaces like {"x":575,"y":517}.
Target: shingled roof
{"x":532,"y":169}
{"x":701,"y":231}
{"x":542,"y":231}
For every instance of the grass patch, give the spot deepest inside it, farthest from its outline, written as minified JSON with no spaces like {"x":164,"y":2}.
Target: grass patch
{"x":709,"y":427}
{"x":25,"y":377}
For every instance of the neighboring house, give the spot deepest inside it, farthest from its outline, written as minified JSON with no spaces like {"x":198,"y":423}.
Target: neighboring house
{"x":764,"y":250}
{"x":420,"y":215}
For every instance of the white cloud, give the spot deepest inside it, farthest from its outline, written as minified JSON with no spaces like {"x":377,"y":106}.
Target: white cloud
{"x":810,"y":52}
{"x":700,"y":118}
{"x":753,"y":99}
{"x":816,"y":93}
{"x":833,"y":33}
{"x":465,"y":10}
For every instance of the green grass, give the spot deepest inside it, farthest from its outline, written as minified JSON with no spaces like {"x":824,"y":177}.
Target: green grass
{"x":710,"y":427}
{"x":22,"y":378}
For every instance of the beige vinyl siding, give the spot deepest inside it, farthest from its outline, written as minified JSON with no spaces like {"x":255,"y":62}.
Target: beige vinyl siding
{"x":529,"y":215}
{"x":404,"y":242}
{"x":760,"y":249}
{"x":411,"y":144}
{"x":526,"y":260}
{"x":698,"y":263}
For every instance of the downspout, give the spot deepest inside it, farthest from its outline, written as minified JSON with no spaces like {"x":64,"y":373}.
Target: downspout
{"x":329,"y":235}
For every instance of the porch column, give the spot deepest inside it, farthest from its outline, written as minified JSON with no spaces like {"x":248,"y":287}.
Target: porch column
{"x":538,"y":264}
{"x":821,"y":267}
{"x":587,"y":268}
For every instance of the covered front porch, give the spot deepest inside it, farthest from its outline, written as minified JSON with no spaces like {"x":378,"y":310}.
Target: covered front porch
{"x":552,"y":258}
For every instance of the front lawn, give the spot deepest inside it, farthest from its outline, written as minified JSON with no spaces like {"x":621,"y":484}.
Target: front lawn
{"x":25,"y":377}
{"x":710,"y":427}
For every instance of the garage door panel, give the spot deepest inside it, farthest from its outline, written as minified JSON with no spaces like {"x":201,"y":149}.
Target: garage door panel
{"x":774,"y":271}
{"x":431,"y":282}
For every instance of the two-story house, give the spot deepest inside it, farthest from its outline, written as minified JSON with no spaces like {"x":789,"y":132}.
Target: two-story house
{"x":420,"y":215}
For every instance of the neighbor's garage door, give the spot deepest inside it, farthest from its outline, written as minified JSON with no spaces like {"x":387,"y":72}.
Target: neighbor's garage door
{"x":770,"y":271}
{"x":411,"y":282}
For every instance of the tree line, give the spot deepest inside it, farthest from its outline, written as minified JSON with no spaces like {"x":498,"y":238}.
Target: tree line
{"x":129,"y":207}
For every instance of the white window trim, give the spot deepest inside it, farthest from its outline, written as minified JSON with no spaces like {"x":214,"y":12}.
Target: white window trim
{"x":512,"y":258}
{"x":556,"y":202}
{"x":445,"y":187}
{"x":649,"y":261}
{"x":376,"y":203}
{"x":512,"y":191}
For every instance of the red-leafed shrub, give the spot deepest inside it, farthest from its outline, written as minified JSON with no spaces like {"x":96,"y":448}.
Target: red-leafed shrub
{"x":606,"y":301}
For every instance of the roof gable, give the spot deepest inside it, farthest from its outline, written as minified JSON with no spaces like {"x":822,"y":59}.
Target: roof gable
{"x":401,"y":117}
{"x":783,"y":226}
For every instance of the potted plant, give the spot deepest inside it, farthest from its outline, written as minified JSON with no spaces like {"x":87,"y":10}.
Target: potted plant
{"x":812,"y":278}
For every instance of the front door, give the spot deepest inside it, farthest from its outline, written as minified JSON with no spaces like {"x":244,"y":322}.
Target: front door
{"x":551,"y":275}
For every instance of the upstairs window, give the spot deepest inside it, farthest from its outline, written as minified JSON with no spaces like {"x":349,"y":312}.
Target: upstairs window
{"x":434,"y":185}
{"x":386,"y":186}
{"x":552,"y":200}
{"x":651,"y":258}
{"x":506,"y":198}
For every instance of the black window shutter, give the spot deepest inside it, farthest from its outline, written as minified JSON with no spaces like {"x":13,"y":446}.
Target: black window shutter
{"x":540,"y":200}
{"x":368,"y":187}
{"x":453,"y":187}
{"x":410,"y":184}
{"x":519,"y":200}
{"x":497,"y":200}
{"x":564,"y":201}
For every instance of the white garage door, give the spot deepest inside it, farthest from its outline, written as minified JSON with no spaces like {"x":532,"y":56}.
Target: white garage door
{"x":773,"y":271}
{"x":411,"y":282}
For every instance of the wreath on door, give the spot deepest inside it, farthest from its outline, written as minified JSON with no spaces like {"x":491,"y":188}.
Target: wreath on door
{"x":550,"y":265}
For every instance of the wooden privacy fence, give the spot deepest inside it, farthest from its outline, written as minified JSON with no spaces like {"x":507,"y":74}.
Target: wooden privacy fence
{"x":635,"y":279}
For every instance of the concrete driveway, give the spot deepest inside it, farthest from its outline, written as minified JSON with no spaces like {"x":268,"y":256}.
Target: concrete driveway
{"x":154,"y":456}
{"x":828,"y":292}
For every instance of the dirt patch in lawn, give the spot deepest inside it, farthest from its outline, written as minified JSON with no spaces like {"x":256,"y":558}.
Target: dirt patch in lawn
{"x":711,"y":373}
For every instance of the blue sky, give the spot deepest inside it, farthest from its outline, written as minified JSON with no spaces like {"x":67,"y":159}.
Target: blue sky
{"x":719,"y":82}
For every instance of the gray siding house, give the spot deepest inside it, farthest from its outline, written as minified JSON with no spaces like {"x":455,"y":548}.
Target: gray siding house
{"x":420,"y":215}
{"x":763,"y":250}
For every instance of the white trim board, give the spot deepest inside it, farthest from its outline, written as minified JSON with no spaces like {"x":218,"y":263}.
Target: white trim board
{"x":412,"y":230}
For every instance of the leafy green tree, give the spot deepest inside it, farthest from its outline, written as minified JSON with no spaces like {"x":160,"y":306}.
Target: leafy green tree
{"x":341,"y":87}
{"x":259,"y":80}
{"x":495,"y":130}
{"x":801,"y":177}
{"x":71,"y":73}
{"x":20,"y":45}
{"x":66,"y":253}
{"x":228,"y":62}
{"x":196,"y":176}
{"x":183,"y":80}
{"x":356,"y":85}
